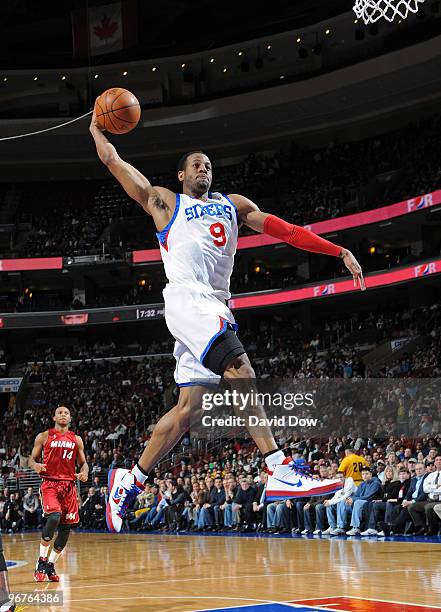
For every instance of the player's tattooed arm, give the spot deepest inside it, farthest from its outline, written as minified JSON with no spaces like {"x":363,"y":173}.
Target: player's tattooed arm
{"x":37,"y":451}
{"x":134,"y":183}
{"x":83,"y":473}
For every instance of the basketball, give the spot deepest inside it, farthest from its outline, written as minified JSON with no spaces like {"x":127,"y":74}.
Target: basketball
{"x":117,"y":110}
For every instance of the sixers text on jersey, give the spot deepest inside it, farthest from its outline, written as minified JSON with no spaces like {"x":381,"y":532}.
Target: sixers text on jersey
{"x":214,"y":210}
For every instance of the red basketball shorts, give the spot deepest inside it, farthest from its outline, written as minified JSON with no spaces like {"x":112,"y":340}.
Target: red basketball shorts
{"x":60,"y":496}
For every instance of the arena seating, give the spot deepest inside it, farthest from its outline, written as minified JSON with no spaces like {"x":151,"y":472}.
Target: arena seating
{"x":116,"y":404}
{"x":301,"y":185}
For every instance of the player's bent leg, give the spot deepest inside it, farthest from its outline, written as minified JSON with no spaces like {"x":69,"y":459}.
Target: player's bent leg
{"x":125,"y":485}
{"x":240,"y":374}
{"x":285,"y":480}
{"x":51,"y":526}
{"x":47,"y":534}
{"x":59,"y":546}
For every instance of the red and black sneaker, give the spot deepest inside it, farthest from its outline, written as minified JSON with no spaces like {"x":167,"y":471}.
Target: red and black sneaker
{"x":40,"y":570}
{"x":51,"y":574}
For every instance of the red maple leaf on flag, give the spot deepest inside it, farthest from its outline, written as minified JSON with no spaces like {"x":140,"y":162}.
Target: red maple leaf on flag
{"x":106,"y":29}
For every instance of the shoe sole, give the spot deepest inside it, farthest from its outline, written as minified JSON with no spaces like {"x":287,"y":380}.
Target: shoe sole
{"x":110,"y":481}
{"x":277,"y":494}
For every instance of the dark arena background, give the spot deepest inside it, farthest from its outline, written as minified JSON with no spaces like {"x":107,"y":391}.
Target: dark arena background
{"x":327,"y":118}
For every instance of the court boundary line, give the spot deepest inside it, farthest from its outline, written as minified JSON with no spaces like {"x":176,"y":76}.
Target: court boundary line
{"x":236,"y":577}
{"x":260,"y":602}
{"x":261,"y":537}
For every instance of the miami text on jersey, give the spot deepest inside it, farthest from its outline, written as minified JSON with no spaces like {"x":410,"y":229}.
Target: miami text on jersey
{"x":62,"y":444}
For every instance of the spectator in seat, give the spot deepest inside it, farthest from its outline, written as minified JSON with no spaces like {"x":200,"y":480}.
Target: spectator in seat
{"x":230,"y":487}
{"x":243,"y":503}
{"x":415,"y":494}
{"x":380,"y":468}
{"x":421,"y":513}
{"x":13,"y":510}
{"x":175,"y":506}
{"x":377,"y":510}
{"x":430,"y":458}
{"x":352,"y":465}
{"x":347,"y":491}
{"x":354,"y":506}
{"x":189,"y":513}
{"x":299,"y":515}
{"x":273,"y":515}
{"x":32,"y":510}
{"x":283,"y":517}
{"x":437,"y":510}
{"x":216,"y":499}
{"x":89,"y":508}
{"x":156,"y":514}
{"x":411,"y":466}
{"x":259,"y":505}
{"x":394,"y":505}
{"x":315,"y":505}
{"x":141,"y":508}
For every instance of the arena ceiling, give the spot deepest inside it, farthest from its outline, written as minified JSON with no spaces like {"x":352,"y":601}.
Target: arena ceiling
{"x":39,"y":34}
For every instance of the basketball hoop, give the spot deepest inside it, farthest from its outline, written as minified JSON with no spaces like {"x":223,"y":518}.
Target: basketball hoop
{"x":373,"y":10}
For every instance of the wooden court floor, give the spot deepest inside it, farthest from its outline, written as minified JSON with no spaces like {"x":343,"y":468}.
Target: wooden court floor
{"x":144,"y":572}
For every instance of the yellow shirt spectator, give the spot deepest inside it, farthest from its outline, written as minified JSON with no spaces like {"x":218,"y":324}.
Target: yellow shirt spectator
{"x":352,"y":465}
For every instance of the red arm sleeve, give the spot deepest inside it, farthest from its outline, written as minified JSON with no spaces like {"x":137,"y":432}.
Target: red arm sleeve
{"x":299,"y":237}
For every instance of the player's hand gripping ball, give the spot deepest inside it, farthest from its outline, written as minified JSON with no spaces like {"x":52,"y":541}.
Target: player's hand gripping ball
{"x":117,"y":111}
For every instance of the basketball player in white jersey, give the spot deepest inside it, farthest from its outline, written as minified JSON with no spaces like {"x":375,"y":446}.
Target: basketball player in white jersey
{"x":197,"y":232}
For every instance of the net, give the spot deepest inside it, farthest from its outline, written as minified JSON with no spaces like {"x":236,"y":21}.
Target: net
{"x":373,"y":10}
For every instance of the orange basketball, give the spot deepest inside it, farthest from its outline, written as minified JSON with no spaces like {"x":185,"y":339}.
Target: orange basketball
{"x":117,"y":110}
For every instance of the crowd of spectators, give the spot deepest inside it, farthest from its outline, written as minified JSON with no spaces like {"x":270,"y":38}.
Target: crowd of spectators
{"x":85,"y":350}
{"x":395,"y":488}
{"x":19,"y":511}
{"x":115,"y":402}
{"x":389,"y":486}
{"x":302,"y":185}
{"x":115,"y":405}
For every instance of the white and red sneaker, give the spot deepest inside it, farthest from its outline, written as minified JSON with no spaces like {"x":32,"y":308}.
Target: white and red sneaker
{"x":123,"y":489}
{"x":288,"y":481}
{"x":286,"y":461}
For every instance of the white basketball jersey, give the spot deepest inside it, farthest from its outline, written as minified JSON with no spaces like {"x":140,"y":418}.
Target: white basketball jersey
{"x":199,"y":243}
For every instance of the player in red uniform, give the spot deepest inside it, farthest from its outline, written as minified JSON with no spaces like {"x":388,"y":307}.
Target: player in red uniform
{"x":55,"y":454}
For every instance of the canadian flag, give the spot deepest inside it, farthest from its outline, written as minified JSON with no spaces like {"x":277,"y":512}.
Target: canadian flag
{"x":104,"y":29}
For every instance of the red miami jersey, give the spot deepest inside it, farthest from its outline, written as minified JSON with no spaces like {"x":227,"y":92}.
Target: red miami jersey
{"x":60,"y":455}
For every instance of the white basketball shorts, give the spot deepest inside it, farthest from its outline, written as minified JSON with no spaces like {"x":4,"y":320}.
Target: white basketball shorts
{"x":195,"y":319}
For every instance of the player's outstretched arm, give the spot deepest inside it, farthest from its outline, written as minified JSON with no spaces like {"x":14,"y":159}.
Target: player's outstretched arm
{"x":156,"y":201}
{"x":35,"y":458}
{"x":83,"y":473}
{"x":294,"y":235}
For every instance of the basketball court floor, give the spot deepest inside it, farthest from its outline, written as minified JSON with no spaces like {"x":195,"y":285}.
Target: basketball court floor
{"x":178,"y":573}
